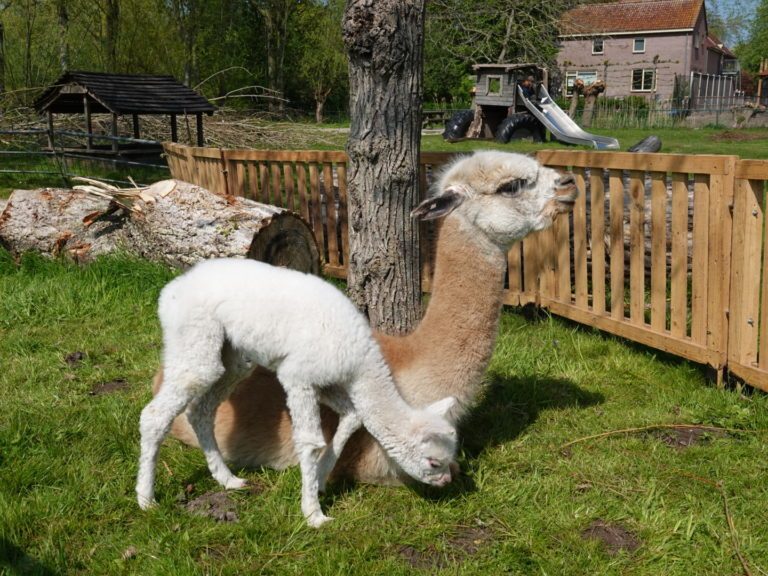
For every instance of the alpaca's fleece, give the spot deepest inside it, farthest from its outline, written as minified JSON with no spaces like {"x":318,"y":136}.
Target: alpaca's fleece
{"x":225,"y":317}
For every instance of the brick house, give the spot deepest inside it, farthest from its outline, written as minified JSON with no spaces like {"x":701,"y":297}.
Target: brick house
{"x":642,"y":48}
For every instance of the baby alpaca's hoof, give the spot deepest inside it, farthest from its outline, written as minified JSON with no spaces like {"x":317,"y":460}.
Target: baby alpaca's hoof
{"x":235,"y":483}
{"x":318,"y":519}
{"x":146,"y":503}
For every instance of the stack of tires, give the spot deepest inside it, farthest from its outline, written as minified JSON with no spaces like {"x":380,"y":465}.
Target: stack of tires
{"x":520,"y":126}
{"x":456,"y":128}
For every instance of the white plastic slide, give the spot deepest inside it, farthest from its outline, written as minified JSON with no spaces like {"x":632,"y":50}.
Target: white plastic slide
{"x":562,"y":126}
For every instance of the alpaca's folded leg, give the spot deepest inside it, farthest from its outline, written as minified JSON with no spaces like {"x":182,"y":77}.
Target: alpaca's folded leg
{"x":349,"y":423}
{"x":155,"y":422}
{"x":201,"y":415}
{"x":303,"y":404}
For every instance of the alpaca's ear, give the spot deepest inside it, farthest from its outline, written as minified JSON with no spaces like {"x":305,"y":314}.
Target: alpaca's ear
{"x":439,"y":206}
{"x":443,"y":407}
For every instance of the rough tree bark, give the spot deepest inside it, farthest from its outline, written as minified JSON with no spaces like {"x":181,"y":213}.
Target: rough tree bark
{"x":384,"y":41}
{"x":177,"y":223}
{"x":590,"y":96}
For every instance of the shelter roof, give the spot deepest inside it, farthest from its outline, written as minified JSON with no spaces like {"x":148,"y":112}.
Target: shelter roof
{"x":121,"y":94}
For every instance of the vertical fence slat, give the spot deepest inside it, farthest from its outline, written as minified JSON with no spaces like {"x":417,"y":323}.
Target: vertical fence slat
{"x":514,"y":271}
{"x":758,"y":188}
{"x":531,"y":267}
{"x":679,"y":266}
{"x":562,"y":239}
{"x":277,"y":198}
{"x":341,"y":170}
{"x":263,"y":182}
{"x":580,"y":241}
{"x":658,"y":251}
{"x":315,"y":210}
{"x":636,"y":247}
{"x":330,"y":214}
{"x":301,"y":176}
{"x":700,"y":261}
{"x":597,"y":205}
{"x":616,"y":188}
{"x":290,"y":186}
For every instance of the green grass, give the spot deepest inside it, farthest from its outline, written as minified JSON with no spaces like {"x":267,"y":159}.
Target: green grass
{"x":68,"y":457}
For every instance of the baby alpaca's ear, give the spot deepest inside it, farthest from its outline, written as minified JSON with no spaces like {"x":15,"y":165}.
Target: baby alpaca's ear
{"x":439,"y":206}
{"x":443,"y":407}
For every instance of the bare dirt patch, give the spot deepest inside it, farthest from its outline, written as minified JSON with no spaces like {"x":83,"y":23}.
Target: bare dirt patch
{"x":614,"y":536}
{"x":682,"y":438}
{"x":465,"y":541}
{"x":738,"y":136}
{"x":74,"y":358}
{"x":216,"y":505}
{"x":109,"y":387}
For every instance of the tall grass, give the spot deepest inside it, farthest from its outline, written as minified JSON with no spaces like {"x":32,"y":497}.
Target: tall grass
{"x":78,"y":347}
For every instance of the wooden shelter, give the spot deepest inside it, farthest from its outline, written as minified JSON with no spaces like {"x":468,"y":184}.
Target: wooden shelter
{"x":122,"y":94}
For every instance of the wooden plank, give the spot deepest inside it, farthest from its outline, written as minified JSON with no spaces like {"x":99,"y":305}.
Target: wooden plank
{"x":315,"y":210}
{"x":678,"y":305}
{"x":694,"y":164}
{"x":341,"y":172}
{"x":643,"y":334}
{"x":288,"y":155}
{"x":514,"y":270}
{"x":563,"y":245}
{"x":636,"y":247}
{"x":531,"y":266}
{"x":290,"y":186}
{"x":264,"y":183}
{"x":757,"y":377}
{"x":276,"y":184}
{"x":236,"y":181}
{"x":700,"y":259}
{"x":597,"y":205}
{"x":547,"y":274}
{"x":752,"y":169}
{"x":580,"y":241}
{"x":330,"y":213}
{"x":252,"y":170}
{"x":762,"y":354}
{"x":301,"y":176}
{"x":720,"y":219}
{"x":616,"y":189}
{"x":658,"y":251}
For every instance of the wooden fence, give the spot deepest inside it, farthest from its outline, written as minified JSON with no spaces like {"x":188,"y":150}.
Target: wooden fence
{"x":665,"y":250}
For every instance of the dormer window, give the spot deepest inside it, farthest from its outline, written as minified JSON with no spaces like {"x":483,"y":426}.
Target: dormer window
{"x":597,"y":46}
{"x":639,"y":45}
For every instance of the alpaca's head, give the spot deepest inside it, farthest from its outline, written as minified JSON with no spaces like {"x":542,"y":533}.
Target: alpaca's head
{"x":503,"y":195}
{"x":431,"y":444}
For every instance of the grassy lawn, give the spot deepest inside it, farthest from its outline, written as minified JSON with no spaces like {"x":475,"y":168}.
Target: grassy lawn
{"x":78,"y":347}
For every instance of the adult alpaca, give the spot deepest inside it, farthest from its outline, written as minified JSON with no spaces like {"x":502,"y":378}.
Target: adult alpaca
{"x":488,"y":201}
{"x":224,"y":316}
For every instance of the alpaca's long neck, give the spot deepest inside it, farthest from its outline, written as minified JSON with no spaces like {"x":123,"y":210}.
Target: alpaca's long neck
{"x":449,"y":351}
{"x":381,"y":408}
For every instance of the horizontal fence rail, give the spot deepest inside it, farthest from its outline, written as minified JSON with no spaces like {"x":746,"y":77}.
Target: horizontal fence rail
{"x":663,"y":249}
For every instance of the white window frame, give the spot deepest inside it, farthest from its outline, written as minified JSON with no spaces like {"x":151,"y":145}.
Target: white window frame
{"x":602,"y":45}
{"x":570,"y":77}
{"x":644,"y":73}
{"x":634,"y":46}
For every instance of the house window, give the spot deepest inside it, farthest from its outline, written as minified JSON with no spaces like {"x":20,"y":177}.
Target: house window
{"x":494,"y":85}
{"x":638,"y":45}
{"x":597,"y":46}
{"x":643,"y":80}
{"x":588,"y":77}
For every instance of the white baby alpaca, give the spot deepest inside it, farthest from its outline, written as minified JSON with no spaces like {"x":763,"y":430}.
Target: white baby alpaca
{"x":223,"y":317}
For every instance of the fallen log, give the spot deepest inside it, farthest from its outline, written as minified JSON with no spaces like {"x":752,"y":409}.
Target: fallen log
{"x":173,"y":222}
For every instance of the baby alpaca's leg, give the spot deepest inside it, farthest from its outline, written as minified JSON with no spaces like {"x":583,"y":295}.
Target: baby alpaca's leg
{"x":349,"y":422}
{"x":303,"y":404}
{"x":201,"y":415}
{"x":155,"y":422}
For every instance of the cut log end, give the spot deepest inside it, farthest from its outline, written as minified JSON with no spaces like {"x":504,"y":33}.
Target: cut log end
{"x":286,"y":241}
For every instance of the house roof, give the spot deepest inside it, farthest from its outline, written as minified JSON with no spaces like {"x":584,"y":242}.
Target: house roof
{"x":715,"y":44}
{"x":628,"y":16}
{"x":121,"y":94}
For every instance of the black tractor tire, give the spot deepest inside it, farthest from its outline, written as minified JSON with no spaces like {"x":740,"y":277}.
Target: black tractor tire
{"x":520,"y":126}
{"x":456,"y":128}
{"x":647,"y":144}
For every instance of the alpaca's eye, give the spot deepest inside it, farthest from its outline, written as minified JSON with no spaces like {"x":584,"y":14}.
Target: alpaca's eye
{"x":511,"y":188}
{"x":435,"y":463}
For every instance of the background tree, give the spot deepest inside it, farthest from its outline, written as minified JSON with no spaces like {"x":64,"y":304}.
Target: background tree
{"x":755,"y":48}
{"x":384,"y":40}
{"x":322,"y":63}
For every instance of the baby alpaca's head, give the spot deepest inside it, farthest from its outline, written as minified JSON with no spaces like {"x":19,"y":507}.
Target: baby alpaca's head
{"x":432,"y":444}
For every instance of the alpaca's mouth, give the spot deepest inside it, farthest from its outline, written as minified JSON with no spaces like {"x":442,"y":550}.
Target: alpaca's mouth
{"x":566,"y":193}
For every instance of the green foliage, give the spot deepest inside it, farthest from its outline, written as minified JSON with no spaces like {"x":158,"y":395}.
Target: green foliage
{"x":755,"y":49}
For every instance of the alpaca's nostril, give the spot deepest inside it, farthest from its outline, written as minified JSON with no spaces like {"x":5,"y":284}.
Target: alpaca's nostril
{"x":566,"y":180}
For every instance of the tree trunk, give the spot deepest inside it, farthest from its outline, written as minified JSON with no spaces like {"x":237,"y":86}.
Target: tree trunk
{"x":2,"y":61}
{"x":384,"y":40}
{"x":319,"y":105}
{"x":178,"y":224}
{"x":63,"y":17}
{"x":111,"y":31}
